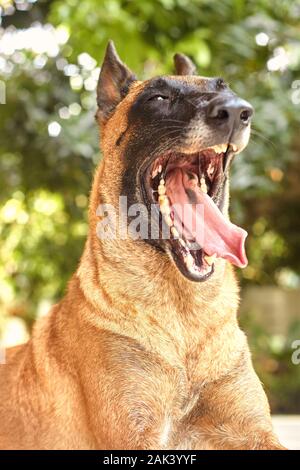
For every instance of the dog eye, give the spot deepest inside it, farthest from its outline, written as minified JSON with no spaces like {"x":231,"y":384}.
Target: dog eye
{"x":159,"y":98}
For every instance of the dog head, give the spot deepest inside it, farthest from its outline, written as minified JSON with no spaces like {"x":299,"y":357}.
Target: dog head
{"x":168,"y":143}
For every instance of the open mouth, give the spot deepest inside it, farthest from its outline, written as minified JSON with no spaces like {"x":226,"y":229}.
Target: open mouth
{"x":188,"y":190}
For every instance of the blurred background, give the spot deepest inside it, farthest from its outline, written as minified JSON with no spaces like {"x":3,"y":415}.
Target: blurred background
{"x":50,"y":53}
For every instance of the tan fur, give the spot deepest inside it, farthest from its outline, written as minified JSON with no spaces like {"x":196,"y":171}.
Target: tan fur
{"x":135,"y":356}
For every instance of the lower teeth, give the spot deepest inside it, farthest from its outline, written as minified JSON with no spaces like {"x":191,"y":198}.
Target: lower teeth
{"x":192,"y":267}
{"x":189,"y":261}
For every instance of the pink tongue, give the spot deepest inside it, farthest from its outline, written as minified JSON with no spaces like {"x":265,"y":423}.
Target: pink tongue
{"x":204,"y":222}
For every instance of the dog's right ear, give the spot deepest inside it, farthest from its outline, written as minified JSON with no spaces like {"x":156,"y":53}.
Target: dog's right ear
{"x":184,"y":65}
{"x":113,"y":84}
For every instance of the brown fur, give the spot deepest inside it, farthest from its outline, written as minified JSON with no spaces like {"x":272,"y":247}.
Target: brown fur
{"x":135,"y":356}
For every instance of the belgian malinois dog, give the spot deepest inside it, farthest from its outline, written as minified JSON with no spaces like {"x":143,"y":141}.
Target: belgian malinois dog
{"x":144,"y":351}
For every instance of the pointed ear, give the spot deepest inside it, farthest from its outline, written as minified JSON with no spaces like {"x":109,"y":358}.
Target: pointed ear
{"x":114,"y":81}
{"x":184,"y":65}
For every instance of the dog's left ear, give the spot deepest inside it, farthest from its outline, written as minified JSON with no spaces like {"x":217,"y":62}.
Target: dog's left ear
{"x":184,"y":65}
{"x":114,"y":81}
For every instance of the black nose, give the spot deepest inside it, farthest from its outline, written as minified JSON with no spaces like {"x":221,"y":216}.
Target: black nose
{"x":231,"y":109}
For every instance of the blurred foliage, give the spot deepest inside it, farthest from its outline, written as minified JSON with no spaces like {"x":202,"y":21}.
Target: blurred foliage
{"x":50,"y":53}
{"x":272,"y":359}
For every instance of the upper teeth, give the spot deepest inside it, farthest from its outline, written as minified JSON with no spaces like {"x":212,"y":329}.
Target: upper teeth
{"x":156,"y":171}
{"x":193,"y":268}
{"x":220,"y":148}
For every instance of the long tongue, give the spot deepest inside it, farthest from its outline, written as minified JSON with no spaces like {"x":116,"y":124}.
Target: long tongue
{"x":203,"y":221}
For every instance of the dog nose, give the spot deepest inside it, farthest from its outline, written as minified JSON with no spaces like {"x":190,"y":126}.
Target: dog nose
{"x":232,"y":110}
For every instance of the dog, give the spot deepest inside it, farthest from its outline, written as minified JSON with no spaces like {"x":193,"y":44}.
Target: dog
{"x":144,"y":351}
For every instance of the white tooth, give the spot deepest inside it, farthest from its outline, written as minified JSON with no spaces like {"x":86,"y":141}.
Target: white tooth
{"x":203,"y":186}
{"x":165,"y":211}
{"x":216,"y":148}
{"x":210,"y":259}
{"x":161,"y":190}
{"x":189,"y":261}
{"x":165,"y":207}
{"x":234,"y":148}
{"x":156,"y":171}
{"x":168,"y":220}
{"x":182,"y":242}
{"x":220,"y":148}
{"x":174,"y":232}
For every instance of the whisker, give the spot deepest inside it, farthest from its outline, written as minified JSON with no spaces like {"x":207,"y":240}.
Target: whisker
{"x":165,"y":146}
{"x":161,"y":129}
{"x":259,"y":134}
{"x":163,"y":136}
{"x":174,"y":120}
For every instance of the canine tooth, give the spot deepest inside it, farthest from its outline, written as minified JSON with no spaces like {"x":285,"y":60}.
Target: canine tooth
{"x":159,"y":168}
{"x":174,"y":232}
{"x":210,"y":259}
{"x":203,"y":186}
{"x":234,"y":147}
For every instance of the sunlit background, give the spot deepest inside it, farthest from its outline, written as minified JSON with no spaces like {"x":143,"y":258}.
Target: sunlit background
{"x":50,"y":52}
